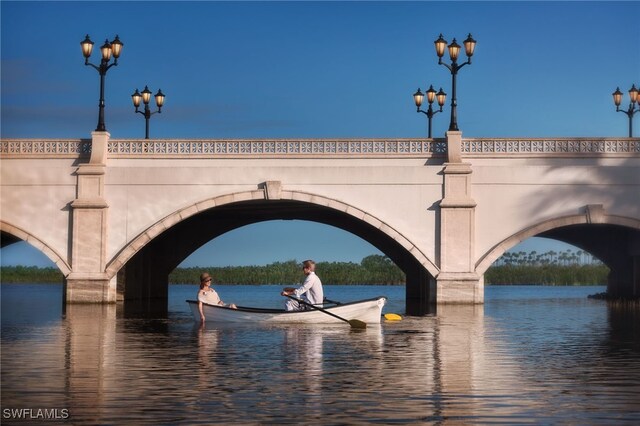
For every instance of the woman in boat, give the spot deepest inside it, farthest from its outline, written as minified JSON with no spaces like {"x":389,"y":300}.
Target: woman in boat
{"x":209,"y":295}
{"x":310,"y":290}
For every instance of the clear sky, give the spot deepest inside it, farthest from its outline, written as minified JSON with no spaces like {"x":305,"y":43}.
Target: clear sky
{"x":314,"y":70}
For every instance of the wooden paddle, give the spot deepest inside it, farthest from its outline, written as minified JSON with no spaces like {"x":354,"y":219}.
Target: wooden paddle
{"x":355,"y":323}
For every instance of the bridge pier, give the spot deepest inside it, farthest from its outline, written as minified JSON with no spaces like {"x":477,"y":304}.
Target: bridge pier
{"x":147,"y":287}
{"x":88,"y":282}
{"x":624,"y":276}
{"x":420,"y":292}
{"x":457,"y":283}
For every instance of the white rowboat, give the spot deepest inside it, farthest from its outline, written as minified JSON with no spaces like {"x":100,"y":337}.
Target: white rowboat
{"x":368,"y":311}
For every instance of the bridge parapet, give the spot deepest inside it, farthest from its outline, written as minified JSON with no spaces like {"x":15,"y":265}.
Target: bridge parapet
{"x":128,"y":148}
{"x":557,"y":147}
{"x":270,"y":148}
{"x":353,"y":148}
{"x":50,"y":148}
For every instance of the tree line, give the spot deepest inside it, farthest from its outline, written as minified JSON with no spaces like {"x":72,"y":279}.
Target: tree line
{"x":30,"y":274}
{"x":549,"y":268}
{"x":547,"y":274}
{"x":511,"y":268}
{"x":374,"y":269}
{"x":551,"y":257}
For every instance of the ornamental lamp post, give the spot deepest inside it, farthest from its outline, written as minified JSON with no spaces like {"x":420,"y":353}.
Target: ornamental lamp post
{"x":145,"y":97}
{"x":108,"y":50}
{"x":633,"y":100}
{"x":418,"y":97}
{"x":454,"y":67}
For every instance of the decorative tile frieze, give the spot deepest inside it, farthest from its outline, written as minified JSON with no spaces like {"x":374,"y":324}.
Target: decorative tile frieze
{"x":275,"y":148}
{"x":45,"y":147}
{"x":550,"y":147}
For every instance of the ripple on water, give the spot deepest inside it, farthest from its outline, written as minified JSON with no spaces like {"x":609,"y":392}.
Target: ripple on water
{"x":545,"y":360}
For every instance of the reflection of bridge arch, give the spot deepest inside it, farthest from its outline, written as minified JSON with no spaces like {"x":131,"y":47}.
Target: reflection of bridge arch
{"x":12,"y":234}
{"x":615,"y":240}
{"x":144,"y":264}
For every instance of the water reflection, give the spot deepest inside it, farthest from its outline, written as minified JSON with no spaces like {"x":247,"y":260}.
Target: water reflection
{"x":438,"y":357}
{"x":302,"y":353}
{"x":301,"y":366}
{"x":544,"y":360}
{"x":90,"y":351}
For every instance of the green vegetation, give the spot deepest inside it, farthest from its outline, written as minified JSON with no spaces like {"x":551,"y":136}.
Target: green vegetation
{"x":533,"y":258}
{"x":30,"y":274}
{"x":547,"y":275}
{"x":551,"y":268}
{"x":374,"y":269}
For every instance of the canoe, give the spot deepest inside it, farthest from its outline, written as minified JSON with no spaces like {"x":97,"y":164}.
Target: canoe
{"x":369,"y":311}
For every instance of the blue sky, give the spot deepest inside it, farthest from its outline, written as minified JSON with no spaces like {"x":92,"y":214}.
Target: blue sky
{"x":314,"y":70}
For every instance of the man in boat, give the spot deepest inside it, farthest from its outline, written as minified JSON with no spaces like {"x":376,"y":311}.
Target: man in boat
{"x":310,"y":290}
{"x":209,"y":295}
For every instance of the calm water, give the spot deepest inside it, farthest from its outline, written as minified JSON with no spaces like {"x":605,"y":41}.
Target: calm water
{"x":535,"y":355}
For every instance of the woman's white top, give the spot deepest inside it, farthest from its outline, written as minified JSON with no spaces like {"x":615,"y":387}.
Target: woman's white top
{"x":209,"y":296}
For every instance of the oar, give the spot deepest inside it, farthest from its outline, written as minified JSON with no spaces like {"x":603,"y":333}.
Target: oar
{"x":355,"y":323}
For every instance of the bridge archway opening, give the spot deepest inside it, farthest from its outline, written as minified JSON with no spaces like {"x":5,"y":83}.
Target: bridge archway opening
{"x":618,"y":247}
{"x":19,"y":248}
{"x":615,"y":242}
{"x":143,"y":279}
{"x":545,"y":250}
{"x":265,"y":242}
{"x":15,"y":238}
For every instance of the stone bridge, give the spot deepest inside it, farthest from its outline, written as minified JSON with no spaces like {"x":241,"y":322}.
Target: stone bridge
{"x":117,"y":216}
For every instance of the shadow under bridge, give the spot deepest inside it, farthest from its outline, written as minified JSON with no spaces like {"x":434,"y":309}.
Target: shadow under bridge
{"x":143,"y":281}
{"x":616,"y":246}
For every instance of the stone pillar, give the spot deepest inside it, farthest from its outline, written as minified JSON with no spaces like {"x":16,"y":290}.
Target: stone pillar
{"x":634,"y":252}
{"x":457,"y":281}
{"x":623,"y":281}
{"x":87,"y":282}
{"x":420,"y":291}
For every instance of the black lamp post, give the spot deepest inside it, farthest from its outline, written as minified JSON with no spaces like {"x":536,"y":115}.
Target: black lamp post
{"x":418,"y":97}
{"x":633,"y":96}
{"x":454,"y":51}
{"x":108,"y":50}
{"x":145,"y":97}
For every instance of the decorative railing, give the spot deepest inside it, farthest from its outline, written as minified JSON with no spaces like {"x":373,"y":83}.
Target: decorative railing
{"x":276,"y":148}
{"x":279,"y":147}
{"x":549,"y":147}
{"x":45,"y":147}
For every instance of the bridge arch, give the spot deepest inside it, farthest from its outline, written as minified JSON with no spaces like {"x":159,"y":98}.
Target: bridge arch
{"x":143,"y":266}
{"x":12,"y":234}
{"x":546,"y":229}
{"x":239,"y":197}
{"x":615,"y":240}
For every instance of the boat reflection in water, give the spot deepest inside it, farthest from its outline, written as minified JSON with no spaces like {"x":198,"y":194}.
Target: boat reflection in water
{"x":283,"y":365}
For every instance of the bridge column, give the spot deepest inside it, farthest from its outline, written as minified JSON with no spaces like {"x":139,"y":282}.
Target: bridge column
{"x":87,"y":282}
{"x":624,"y":276}
{"x":634,"y":252}
{"x":457,"y":282}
